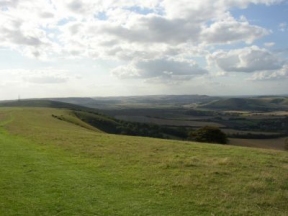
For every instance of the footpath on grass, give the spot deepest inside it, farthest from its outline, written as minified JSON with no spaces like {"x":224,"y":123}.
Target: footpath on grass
{"x":43,"y":180}
{"x":35,"y":180}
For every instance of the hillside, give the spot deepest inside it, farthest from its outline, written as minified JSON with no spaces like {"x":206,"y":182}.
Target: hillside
{"x":160,"y":101}
{"x":55,"y":167}
{"x":42,"y":103}
{"x":105,"y":123}
{"x":249,"y":104}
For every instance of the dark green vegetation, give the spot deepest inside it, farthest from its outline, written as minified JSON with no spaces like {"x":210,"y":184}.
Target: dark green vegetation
{"x":209,"y":134}
{"x":116,"y":126}
{"x":55,"y":167}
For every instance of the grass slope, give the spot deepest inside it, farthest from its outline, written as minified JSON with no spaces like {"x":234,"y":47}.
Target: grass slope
{"x":53,"y":167}
{"x":43,"y":103}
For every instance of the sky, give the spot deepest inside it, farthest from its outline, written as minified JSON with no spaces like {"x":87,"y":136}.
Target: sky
{"x":87,"y":48}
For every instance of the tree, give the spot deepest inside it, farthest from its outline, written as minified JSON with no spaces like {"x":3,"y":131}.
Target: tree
{"x":209,"y":134}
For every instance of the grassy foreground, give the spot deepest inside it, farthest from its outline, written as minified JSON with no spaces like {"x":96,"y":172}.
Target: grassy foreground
{"x":54,"y":167}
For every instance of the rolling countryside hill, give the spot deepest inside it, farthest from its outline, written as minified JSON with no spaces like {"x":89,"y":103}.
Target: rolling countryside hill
{"x":249,"y":104}
{"x":42,"y":103}
{"x":162,"y":101}
{"x":61,"y":166}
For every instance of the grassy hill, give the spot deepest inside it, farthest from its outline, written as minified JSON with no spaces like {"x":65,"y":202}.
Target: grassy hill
{"x":55,"y":167}
{"x":155,"y":101}
{"x":43,"y":103}
{"x":275,"y":100}
{"x":101,"y":121}
{"x":249,"y":104}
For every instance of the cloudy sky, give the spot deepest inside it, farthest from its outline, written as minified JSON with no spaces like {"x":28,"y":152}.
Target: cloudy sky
{"x":52,"y":48}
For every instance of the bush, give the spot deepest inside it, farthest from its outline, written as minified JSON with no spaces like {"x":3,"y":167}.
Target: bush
{"x":209,"y":134}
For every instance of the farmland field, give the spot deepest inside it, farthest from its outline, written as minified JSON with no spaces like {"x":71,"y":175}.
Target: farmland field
{"x":51,"y":166}
{"x":277,"y":143}
{"x":169,"y":122}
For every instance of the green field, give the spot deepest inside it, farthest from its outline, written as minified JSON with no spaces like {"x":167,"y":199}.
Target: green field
{"x":65,"y":167}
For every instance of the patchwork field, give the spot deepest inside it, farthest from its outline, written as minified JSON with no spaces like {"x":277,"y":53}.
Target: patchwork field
{"x":62,"y":166}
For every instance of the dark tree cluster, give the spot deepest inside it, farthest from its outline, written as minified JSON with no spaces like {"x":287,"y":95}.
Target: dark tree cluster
{"x":115,"y":126}
{"x":209,"y":134}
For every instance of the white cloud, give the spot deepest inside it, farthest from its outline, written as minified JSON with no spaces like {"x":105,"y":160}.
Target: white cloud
{"x":156,"y":29}
{"x":78,"y":30}
{"x":46,"y":79}
{"x":160,"y":70}
{"x":269,"y":44}
{"x":24,"y":34}
{"x":153,"y":40}
{"x":205,"y":9}
{"x":249,"y":59}
{"x":229,"y":30}
{"x":271,"y":75}
{"x":44,"y":76}
{"x":282,"y":27}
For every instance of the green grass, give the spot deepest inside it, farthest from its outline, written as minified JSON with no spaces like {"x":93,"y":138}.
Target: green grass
{"x":53,"y":167}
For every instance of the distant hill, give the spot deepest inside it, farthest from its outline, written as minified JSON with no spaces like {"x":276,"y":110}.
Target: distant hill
{"x":113,"y":102}
{"x":260,"y":103}
{"x":41,"y":103}
{"x":249,"y":104}
{"x":151,"y":101}
{"x":283,"y":101}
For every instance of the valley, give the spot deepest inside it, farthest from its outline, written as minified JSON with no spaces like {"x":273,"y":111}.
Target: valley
{"x":244,"y":119}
